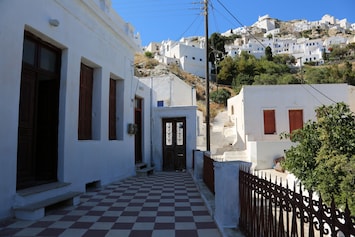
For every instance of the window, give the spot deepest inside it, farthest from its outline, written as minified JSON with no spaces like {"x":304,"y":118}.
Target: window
{"x":269,"y":122}
{"x":112,"y":111}
{"x":295,"y":119}
{"x":85,"y":102}
{"x":160,"y":103}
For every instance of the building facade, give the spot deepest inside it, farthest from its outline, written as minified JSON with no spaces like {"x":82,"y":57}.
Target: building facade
{"x":261,"y":113}
{"x":65,"y":98}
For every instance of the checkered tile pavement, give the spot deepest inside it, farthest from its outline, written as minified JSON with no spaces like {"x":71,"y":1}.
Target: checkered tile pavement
{"x":161,"y":205}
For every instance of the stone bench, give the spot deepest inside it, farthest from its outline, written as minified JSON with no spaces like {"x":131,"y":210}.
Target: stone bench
{"x":35,"y":211}
{"x":143,"y":170}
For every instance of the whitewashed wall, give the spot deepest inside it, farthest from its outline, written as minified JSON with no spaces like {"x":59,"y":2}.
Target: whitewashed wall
{"x":252,"y":100}
{"x":144,"y":92}
{"x":87,"y":32}
{"x":171,"y":89}
{"x":189,"y":112}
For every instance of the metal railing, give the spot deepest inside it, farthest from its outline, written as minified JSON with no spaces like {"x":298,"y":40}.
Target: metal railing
{"x":268,"y":209}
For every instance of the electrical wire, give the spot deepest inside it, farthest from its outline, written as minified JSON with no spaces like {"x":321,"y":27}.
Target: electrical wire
{"x":314,"y":88}
{"x":239,"y":22}
{"x":214,"y":16}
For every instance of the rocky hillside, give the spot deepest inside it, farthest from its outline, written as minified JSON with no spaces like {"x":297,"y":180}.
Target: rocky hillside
{"x":150,"y":67}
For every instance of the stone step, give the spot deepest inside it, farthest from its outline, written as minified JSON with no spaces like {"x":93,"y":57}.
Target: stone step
{"x":36,"y":210}
{"x":145,"y":171}
{"x":141,"y":166}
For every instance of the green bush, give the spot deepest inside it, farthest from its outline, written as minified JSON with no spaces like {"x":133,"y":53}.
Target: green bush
{"x":149,"y":54}
{"x":324,"y":157}
{"x":220,"y":96}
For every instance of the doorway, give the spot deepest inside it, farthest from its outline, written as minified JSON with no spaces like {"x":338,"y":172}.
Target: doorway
{"x":138,"y":134}
{"x":37,"y":146}
{"x":174,"y":144}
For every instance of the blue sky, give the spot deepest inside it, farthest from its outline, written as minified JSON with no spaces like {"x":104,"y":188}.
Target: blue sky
{"x":158,"y":20}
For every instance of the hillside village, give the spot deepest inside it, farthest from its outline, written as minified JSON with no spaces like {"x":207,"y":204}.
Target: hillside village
{"x":305,"y":41}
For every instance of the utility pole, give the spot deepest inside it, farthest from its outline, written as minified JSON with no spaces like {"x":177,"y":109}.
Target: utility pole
{"x":208,"y":145}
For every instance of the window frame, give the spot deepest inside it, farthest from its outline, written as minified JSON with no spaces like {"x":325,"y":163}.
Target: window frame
{"x":85,"y":102}
{"x":269,"y":116}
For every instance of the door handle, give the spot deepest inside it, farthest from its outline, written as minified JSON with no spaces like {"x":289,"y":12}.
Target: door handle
{"x":180,"y":155}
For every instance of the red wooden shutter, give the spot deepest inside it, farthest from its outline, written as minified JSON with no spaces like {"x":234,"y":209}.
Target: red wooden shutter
{"x":112,"y":111}
{"x":269,"y":122}
{"x":85,"y":103}
{"x":295,"y":119}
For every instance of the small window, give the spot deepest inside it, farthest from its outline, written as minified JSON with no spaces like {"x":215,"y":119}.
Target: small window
{"x":160,"y":103}
{"x":179,"y":133}
{"x":29,"y":52}
{"x":269,"y":122}
{"x":48,"y":60}
{"x":169,"y":134}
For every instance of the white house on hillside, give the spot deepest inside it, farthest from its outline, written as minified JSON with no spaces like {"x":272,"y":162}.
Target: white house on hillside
{"x":188,"y":53}
{"x":261,"y":113}
{"x":265,"y":22}
{"x":153,"y":47}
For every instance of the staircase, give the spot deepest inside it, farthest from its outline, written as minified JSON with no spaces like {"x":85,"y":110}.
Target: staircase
{"x":31,"y":203}
{"x":143,"y":170}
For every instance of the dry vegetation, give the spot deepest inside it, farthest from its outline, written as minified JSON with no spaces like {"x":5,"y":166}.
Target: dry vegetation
{"x":145,"y":67}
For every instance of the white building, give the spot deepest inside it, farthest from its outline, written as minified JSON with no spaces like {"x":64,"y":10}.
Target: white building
{"x":335,"y":40}
{"x":265,"y":22}
{"x":62,"y":62}
{"x":188,"y":54}
{"x":153,"y":47}
{"x":307,"y":50}
{"x":261,"y":113}
{"x":328,"y":19}
{"x":174,"y":122}
{"x":73,"y":115}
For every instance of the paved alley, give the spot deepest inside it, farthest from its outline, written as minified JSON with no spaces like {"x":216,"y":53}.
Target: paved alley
{"x":166,"y":204}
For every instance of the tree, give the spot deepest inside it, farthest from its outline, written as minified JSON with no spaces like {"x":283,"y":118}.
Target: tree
{"x":228,"y":71}
{"x":284,"y":59}
{"x":338,"y":52}
{"x":220,"y":96}
{"x":149,"y":54}
{"x":324,"y":156}
{"x":268,"y":53}
{"x":240,"y":80}
{"x":216,"y":43}
{"x":349,"y":74}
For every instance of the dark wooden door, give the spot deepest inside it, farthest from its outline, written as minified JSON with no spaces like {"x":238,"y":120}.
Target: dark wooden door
{"x":26,"y":130}
{"x":37,"y":147}
{"x":174,"y":144}
{"x":139,"y":133}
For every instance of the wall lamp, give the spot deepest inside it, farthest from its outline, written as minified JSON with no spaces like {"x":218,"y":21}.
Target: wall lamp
{"x":54,"y":22}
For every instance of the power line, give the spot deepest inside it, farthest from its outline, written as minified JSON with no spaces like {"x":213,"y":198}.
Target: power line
{"x":322,"y":93}
{"x":189,"y":27}
{"x":240,"y":23}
